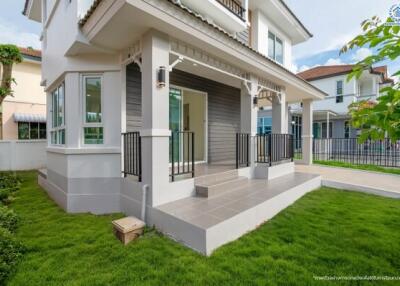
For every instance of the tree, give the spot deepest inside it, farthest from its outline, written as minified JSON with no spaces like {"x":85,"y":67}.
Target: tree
{"x":382,"y":118}
{"x":9,"y":54}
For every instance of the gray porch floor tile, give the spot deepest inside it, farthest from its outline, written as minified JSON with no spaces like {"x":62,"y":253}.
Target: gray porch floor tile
{"x":207,"y":212}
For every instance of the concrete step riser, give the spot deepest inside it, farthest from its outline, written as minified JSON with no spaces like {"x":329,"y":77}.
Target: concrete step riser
{"x":218,"y":189}
{"x":215,"y":178}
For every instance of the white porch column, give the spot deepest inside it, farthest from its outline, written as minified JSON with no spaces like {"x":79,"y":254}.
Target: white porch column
{"x":155,"y":115}
{"x":248,"y":114}
{"x":327,"y":125}
{"x":279,"y":116}
{"x":307,"y":132}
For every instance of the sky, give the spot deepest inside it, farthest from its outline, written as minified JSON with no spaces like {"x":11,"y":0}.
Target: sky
{"x":332,"y":22}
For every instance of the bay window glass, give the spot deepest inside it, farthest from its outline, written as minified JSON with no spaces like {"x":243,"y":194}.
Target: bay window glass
{"x":93,"y":126}
{"x":57,"y":133}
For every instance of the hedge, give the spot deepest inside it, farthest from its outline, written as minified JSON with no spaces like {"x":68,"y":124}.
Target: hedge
{"x":10,"y":253}
{"x":10,"y":249}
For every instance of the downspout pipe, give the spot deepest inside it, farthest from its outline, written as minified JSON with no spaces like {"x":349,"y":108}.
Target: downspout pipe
{"x":144,"y":196}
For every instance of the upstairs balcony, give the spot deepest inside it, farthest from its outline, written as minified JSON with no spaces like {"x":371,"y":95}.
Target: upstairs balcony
{"x":229,"y":14}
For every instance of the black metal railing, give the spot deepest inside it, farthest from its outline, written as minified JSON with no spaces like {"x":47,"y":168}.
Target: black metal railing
{"x":348,"y":150}
{"x":182,"y":154}
{"x":242,"y":150}
{"x":235,"y":7}
{"x":274,"y":148}
{"x":132,"y":148}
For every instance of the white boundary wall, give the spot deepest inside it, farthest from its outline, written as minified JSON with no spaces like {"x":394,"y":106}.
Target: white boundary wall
{"x":22,"y":155}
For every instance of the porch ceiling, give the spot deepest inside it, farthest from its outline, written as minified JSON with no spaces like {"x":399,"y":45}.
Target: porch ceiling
{"x":115,"y":25}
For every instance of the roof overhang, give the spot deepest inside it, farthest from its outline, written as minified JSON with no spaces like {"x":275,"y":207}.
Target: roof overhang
{"x":33,"y":10}
{"x":284,"y":18}
{"x":131,"y":19}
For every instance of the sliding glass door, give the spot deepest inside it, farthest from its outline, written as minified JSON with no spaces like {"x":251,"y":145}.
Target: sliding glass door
{"x":175,"y":120}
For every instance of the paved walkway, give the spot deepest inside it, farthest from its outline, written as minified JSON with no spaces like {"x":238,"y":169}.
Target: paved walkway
{"x":358,"y":180}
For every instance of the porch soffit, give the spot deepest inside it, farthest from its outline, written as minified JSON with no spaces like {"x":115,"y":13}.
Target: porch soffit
{"x":184,"y":51}
{"x":189,"y":17}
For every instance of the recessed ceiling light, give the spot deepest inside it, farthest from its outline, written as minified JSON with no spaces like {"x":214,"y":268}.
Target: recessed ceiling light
{"x":194,"y":64}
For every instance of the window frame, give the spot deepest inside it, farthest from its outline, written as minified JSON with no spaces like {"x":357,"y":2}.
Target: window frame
{"x":57,"y":128}
{"x":339,"y":96}
{"x":29,"y":130}
{"x":86,"y":124}
{"x":275,"y":40}
{"x":347,"y":129}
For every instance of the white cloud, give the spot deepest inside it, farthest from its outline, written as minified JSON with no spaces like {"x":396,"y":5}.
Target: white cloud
{"x":304,"y":68}
{"x":332,"y":24}
{"x":361,"y":54}
{"x":332,"y":62}
{"x":11,"y":34}
{"x":294,"y":68}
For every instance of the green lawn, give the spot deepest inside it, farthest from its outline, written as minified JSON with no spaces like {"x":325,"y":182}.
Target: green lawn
{"x":328,"y":232}
{"x":395,"y":171}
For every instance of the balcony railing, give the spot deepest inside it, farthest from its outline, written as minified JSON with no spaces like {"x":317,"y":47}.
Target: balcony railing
{"x":235,"y":7}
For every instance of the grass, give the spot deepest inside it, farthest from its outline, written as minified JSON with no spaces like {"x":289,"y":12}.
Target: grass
{"x":373,"y":168}
{"x":327,"y":232}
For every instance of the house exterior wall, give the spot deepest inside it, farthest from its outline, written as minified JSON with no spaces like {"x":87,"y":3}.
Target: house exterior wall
{"x":261,"y":26}
{"x":57,"y":51}
{"x":29,"y":97}
{"x":328,"y":85}
{"x":223,"y":110}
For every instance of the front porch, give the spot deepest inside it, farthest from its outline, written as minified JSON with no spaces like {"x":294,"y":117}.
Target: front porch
{"x":204,"y":224}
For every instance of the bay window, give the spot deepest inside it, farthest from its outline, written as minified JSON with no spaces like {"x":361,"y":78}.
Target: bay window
{"x":93,"y":121}
{"x":57,"y":132}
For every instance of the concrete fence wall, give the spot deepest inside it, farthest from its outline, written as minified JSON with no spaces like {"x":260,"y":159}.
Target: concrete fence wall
{"x":22,"y":155}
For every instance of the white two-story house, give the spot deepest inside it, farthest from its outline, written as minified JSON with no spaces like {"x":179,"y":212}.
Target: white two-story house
{"x":331,"y":115}
{"x":152,"y":111}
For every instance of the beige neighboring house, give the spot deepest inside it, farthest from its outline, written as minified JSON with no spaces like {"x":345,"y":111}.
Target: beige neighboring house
{"x":24,"y":114}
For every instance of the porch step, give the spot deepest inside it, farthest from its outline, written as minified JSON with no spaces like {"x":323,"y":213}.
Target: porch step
{"x":216,"y":178}
{"x":221,"y":186}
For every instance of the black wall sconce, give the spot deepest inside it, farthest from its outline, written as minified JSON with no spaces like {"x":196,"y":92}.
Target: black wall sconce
{"x":255,"y":100}
{"x":161,"y":76}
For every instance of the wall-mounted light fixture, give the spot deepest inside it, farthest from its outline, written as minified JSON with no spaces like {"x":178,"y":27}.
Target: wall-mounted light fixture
{"x":255,"y":100}
{"x":161,"y":76}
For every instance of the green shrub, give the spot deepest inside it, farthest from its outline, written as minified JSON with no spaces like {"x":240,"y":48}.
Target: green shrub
{"x":9,"y":184}
{"x":8,"y":219}
{"x":9,"y":181}
{"x":6,"y":196}
{"x":10,"y":253}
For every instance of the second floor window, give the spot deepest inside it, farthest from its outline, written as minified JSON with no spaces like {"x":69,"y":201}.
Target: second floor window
{"x":57,"y":132}
{"x":275,"y":48}
{"x":339,"y":91}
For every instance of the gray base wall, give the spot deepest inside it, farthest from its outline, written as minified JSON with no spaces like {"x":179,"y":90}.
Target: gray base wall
{"x":84,"y":182}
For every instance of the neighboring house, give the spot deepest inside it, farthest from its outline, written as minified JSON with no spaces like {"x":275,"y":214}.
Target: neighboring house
{"x":23,"y":115}
{"x":331,"y":118}
{"x":143,"y":95}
